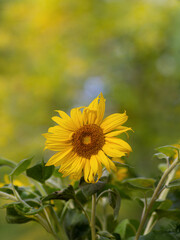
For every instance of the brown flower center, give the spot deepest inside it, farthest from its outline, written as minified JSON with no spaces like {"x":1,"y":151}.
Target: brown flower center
{"x":88,"y":140}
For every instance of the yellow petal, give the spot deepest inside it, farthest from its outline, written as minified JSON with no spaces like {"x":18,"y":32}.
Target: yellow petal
{"x":75,"y":168}
{"x":113,"y":121}
{"x":66,"y":165}
{"x":104,"y":159}
{"x":57,"y":157}
{"x":99,"y":168}
{"x":94,"y":168}
{"x":59,"y":130}
{"x":87,"y":170}
{"x":116,"y":133}
{"x":64,"y":123}
{"x":100,"y":110}
{"x":112,"y":152}
{"x":77,"y":117}
{"x":57,"y":137}
{"x":118,"y":143}
{"x":94,"y":113}
{"x":89,"y":115}
{"x":65,"y":159}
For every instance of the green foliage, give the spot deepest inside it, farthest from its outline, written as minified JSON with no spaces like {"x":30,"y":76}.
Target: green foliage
{"x":115,"y":202}
{"x":165,"y":229}
{"x":6,"y":162}
{"x":65,"y":194}
{"x":126,"y":229}
{"x":167,"y":151}
{"x":39,"y":172}
{"x":91,"y":188}
{"x":70,"y":206}
{"x":76,"y":225}
{"x":13,"y":216}
{"x":21,"y":167}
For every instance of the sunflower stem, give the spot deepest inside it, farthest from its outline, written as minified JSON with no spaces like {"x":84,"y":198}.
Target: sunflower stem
{"x":155,"y":196}
{"x":93,"y":215}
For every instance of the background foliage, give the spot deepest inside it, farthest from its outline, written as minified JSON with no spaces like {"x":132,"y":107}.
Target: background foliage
{"x":58,"y":54}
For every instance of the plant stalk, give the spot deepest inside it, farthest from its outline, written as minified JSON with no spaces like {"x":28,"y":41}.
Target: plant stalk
{"x":93,"y":215}
{"x":162,"y":196}
{"x":155,"y":196}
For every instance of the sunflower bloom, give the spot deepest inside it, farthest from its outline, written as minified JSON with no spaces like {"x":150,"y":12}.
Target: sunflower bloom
{"x":84,"y":141}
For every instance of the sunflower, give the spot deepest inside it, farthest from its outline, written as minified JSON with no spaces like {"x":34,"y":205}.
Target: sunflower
{"x":84,"y":141}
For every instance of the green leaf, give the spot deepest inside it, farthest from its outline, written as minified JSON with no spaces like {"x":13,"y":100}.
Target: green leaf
{"x":89,"y":189}
{"x":28,"y":211}
{"x":6,"y":162}
{"x":21,"y":167}
{"x":40,"y":172}
{"x":157,"y":235}
{"x":165,"y":229}
{"x":6,"y":189}
{"x":115,"y":202}
{"x":125,"y":229}
{"x":173,"y":214}
{"x":174,"y":184}
{"x":160,"y":155}
{"x":76,"y":225}
{"x":104,"y":235}
{"x":65,"y":194}
{"x":168,"y":150}
{"x":12,"y":216}
{"x":142,"y":183}
{"x":161,"y":204}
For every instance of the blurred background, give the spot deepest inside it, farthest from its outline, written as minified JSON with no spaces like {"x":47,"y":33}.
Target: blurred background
{"x":59,"y":54}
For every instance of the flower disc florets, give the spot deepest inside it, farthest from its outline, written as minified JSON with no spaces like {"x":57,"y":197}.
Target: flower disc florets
{"x":88,"y":140}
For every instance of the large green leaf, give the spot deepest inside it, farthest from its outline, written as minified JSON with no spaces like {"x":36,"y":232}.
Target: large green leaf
{"x":21,"y":167}
{"x":143,"y":183}
{"x":76,"y":225}
{"x":136,"y":187}
{"x":40,"y":172}
{"x":125,"y":229}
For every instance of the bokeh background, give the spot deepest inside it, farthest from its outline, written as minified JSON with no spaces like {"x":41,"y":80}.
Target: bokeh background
{"x":58,"y":54}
